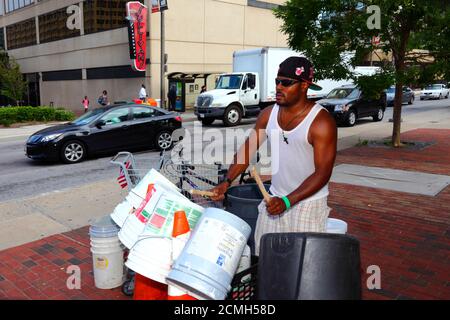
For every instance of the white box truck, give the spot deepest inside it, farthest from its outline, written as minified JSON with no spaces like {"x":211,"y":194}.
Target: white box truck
{"x":245,"y":91}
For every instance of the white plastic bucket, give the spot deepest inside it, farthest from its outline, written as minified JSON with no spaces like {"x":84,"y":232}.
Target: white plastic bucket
{"x":107,"y":254}
{"x":210,"y":258}
{"x":122,"y":210}
{"x":108,"y":263}
{"x":336,"y":226}
{"x":152,"y":258}
{"x":130,"y":231}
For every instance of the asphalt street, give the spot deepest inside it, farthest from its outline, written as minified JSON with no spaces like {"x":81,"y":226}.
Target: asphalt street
{"x":21,"y":177}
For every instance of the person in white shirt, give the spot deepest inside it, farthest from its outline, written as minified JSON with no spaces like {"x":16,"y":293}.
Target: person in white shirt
{"x":143,"y":93}
{"x":303,"y":138}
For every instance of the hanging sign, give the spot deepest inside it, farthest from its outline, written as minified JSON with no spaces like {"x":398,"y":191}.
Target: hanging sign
{"x":137,"y":34}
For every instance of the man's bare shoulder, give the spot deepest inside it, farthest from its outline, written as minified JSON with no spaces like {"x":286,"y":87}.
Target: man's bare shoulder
{"x":324,"y":124}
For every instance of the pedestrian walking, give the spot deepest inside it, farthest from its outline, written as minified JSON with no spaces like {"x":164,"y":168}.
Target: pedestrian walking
{"x":85,"y":103}
{"x":303,"y":139}
{"x":103,"y":99}
{"x":143,"y":93}
{"x":172,"y":96}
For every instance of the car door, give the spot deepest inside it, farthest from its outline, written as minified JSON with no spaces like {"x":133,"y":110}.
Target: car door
{"x":144,"y":125}
{"x":249,"y":93}
{"x":112,"y":131}
{"x":364,"y":105}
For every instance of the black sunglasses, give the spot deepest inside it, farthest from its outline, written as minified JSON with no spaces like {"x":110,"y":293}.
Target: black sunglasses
{"x":285,"y":82}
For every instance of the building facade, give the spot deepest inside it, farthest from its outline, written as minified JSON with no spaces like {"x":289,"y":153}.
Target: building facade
{"x":68,"y":49}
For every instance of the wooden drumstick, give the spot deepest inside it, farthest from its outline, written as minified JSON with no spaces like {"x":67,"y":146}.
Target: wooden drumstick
{"x":202,"y":193}
{"x":260,"y":184}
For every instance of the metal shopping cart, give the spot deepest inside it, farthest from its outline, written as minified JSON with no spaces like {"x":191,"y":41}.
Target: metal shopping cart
{"x":186,"y":176}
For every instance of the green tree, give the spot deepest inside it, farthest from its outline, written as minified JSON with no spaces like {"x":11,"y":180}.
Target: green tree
{"x":12,"y":84}
{"x":327,"y":29}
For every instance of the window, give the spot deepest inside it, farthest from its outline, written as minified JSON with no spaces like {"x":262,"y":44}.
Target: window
{"x":21,"y":34}
{"x":144,"y":113}
{"x":52,"y":26}
{"x":102,"y":15}
{"x":116,"y":72}
{"x":116,"y":116}
{"x":229,"y":82}
{"x":11,"y":5}
{"x":75,"y":74}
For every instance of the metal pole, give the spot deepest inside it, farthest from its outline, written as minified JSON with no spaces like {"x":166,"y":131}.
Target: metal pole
{"x":163,"y":82}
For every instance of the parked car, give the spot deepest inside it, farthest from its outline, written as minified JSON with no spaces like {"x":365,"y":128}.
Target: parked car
{"x":105,"y":130}
{"x":407,"y":96}
{"x":435,"y":91}
{"x":347,"y":104}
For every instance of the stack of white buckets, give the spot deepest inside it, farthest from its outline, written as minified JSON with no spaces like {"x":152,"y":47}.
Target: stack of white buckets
{"x":107,"y":254}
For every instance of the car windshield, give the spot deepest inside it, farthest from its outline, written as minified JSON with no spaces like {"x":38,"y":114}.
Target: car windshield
{"x":88,"y":117}
{"x":229,"y":82}
{"x":343,"y":93}
{"x":433,"y":87}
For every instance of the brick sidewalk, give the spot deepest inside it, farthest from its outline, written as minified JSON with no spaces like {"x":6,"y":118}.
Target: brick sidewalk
{"x":406,"y":235}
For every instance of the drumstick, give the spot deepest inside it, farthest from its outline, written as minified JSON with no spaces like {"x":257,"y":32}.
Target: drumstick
{"x":263,"y":190}
{"x":202,"y":193}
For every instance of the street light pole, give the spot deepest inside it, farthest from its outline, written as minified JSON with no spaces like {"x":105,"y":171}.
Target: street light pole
{"x":163,"y":71}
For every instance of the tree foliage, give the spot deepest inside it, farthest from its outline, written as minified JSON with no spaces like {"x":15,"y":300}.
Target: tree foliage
{"x":327,"y":30}
{"x":12,"y":83}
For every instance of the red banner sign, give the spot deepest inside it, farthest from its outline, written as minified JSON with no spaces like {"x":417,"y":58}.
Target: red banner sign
{"x":137,"y":14}
{"x":155,"y":6}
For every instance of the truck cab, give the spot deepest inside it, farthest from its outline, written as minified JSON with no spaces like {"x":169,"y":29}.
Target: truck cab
{"x":236,"y":96}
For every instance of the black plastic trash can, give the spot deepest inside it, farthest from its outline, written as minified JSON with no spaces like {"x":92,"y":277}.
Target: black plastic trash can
{"x":243,"y":201}
{"x":309,"y":266}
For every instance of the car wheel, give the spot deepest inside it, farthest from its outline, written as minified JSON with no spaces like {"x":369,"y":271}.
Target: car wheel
{"x":379,"y":116}
{"x":208,"y":121}
{"x":446,"y":97}
{"x":411,"y":100}
{"x":421,"y":99}
{"x":232,"y":116}
{"x":351,"y":118}
{"x":73,"y":152}
{"x":163,"y":140}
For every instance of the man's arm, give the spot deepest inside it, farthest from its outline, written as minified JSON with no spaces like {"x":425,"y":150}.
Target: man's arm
{"x":323,"y":137}
{"x":242,"y":158}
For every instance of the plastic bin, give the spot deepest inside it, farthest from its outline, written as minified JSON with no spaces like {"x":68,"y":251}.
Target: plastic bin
{"x":309,"y":266}
{"x":243,"y":201}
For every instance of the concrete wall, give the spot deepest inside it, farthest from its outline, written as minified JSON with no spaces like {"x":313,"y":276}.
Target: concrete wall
{"x":69,"y":94}
{"x":201,"y":36}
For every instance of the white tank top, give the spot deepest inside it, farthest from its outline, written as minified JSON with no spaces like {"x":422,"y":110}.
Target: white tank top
{"x":292,"y":162}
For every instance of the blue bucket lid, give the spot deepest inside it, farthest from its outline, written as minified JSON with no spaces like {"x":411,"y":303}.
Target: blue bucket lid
{"x":104,"y":227}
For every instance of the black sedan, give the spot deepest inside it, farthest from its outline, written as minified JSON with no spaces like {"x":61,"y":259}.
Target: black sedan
{"x":348,"y":103}
{"x":105,"y":130}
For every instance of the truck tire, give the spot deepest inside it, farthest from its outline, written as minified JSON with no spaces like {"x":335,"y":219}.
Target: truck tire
{"x":232,"y":116}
